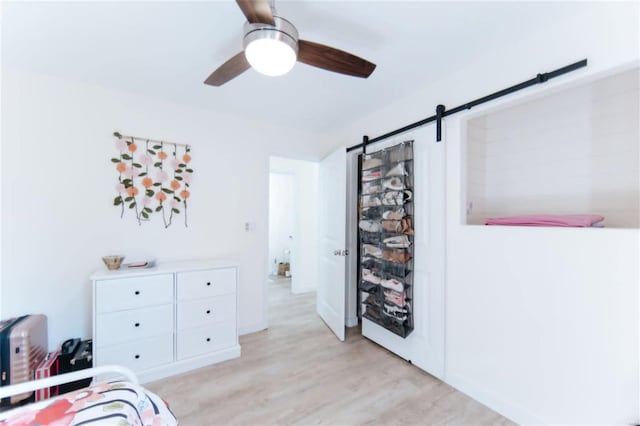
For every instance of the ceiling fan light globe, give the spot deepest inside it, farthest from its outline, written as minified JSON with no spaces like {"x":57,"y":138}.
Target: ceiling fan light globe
{"x":270,"y":57}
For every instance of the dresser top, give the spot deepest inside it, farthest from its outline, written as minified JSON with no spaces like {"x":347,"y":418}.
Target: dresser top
{"x":164,"y":268}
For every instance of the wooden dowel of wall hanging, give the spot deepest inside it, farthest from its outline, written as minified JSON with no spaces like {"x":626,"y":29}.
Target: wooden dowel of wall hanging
{"x":129,"y":137}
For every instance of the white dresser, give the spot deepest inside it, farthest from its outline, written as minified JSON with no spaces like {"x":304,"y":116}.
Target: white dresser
{"x":168,"y":319}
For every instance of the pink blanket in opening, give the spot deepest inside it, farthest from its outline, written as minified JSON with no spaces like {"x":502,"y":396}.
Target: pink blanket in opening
{"x":576,"y":220}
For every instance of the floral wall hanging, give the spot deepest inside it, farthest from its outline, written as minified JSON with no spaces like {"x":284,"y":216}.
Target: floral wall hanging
{"x":153,"y":178}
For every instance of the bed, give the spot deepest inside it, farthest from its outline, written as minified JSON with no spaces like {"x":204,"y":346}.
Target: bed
{"x":106,"y":401}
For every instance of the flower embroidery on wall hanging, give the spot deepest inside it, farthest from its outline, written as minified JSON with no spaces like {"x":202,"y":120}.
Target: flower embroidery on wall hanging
{"x":154,"y":178}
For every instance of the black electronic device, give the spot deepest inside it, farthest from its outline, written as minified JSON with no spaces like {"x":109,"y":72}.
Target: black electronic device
{"x":75,"y":354}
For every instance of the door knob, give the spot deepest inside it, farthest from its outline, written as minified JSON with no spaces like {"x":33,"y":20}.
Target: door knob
{"x":341,"y":252}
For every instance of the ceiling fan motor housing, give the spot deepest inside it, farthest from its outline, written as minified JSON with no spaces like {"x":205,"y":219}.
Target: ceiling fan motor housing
{"x":272,"y":48}
{"x":283,"y":31}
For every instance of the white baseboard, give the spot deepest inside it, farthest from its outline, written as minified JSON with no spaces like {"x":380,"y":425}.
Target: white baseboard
{"x":253,"y":328}
{"x":303,"y":290}
{"x":513,"y":412}
{"x":351,"y":321}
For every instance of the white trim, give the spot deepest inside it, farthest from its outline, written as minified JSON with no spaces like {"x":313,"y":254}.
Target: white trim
{"x":351,"y":321}
{"x":254,"y":328}
{"x":264,"y":323}
{"x":351,"y":240}
{"x":513,"y":412}
{"x":303,"y":290}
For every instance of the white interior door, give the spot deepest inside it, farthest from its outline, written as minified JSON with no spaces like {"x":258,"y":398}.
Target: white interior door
{"x":332,"y":216}
{"x":428,"y":337}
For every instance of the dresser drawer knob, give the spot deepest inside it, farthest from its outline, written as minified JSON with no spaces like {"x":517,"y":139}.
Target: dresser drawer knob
{"x":137,"y":357}
{"x":208,"y":283}
{"x":208,"y":311}
{"x":137,"y":292}
{"x":208,"y":339}
{"x":137,"y":324}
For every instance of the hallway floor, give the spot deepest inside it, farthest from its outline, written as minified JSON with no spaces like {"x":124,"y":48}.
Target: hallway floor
{"x":297,"y":372}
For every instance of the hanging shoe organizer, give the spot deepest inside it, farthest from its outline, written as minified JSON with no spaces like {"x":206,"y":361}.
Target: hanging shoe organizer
{"x":386,"y":238}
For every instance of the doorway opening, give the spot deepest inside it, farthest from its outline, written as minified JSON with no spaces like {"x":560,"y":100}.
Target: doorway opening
{"x":293,"y":234}
{"x":281,"y":227}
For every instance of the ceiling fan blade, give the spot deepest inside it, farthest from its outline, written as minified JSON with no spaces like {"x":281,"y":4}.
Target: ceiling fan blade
{"x":229,"y":70}
{"x":257,"y":11}
{"x":328,"y":58}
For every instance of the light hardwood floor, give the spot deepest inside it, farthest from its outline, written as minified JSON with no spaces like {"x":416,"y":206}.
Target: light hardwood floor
{"x":297,"y":372}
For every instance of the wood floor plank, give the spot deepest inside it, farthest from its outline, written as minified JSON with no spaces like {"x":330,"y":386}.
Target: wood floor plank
{"x":298,"y":373}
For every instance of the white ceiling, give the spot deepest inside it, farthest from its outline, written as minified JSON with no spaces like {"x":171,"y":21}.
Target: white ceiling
{"x":166,"y":50}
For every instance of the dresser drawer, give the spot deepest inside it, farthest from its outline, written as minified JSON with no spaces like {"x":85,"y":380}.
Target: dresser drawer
{"x":138,"y":355}
{"x":130,"y":293}
{"x":133,"y":324}
{"x":199,"y":284}
{"x":195,"y":313}
{"x":200,"y":340}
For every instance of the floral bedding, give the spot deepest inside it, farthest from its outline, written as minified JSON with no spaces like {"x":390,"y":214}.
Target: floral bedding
{"x":116,"y":403}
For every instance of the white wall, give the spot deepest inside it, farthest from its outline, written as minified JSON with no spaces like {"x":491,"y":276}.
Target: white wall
{"x":304,"y":256}
{"x":580,"y":155}
{"x":554,"y":314}
{"x":281,"y":218}
{"x":58,"y":186}
{"x":542,"y":324}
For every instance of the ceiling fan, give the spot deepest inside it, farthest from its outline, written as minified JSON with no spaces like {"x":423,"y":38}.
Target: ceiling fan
{"x":272,"y":47}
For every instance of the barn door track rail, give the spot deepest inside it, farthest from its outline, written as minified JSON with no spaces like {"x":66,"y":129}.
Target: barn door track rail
{"x":442,"y":112}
